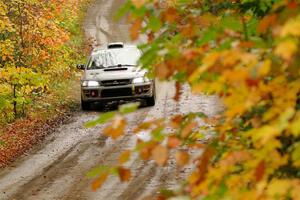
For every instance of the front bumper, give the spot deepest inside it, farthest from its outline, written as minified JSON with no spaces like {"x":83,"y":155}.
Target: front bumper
{"x":120,"y":92}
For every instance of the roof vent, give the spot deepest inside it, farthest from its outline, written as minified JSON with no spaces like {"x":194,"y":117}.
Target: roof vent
{"x":115,"y":45}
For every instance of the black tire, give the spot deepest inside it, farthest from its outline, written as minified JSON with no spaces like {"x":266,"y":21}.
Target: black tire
{"x":101,"y":106}
{"x":151,"y":101}
{"x":85,"y":105}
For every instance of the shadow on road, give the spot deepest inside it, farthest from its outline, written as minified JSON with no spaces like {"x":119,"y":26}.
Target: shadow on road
{"x":114,"y":106}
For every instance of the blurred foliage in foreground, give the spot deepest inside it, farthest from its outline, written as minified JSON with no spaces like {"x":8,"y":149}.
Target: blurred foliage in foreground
{"x":246,"y":52}
{"x":40,"y":42}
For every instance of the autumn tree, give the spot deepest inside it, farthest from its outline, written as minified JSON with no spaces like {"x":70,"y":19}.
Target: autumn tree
{"x":247,"y":53}
{"x":37,"y":50}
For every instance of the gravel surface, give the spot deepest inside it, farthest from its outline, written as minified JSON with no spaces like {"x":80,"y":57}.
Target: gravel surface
{"x":56,"y":169}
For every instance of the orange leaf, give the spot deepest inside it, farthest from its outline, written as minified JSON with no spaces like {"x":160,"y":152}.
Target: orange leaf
{"x":260,"y":171}
{"x":176,"y":120}
{"x":188,"y":30}
{"x":204,"y":162}
{"x":162,"y":71}
{"x":170,"y":15}
{"x":135,"y":28}
{"x":145,"y":154}
{"x":124,"y":174}
{"x":160,"y":155}
{"x":246,"y":44}
{"x":173,"y":142}
{"x":146,"y":125}
{"x":194,"y":177}
{"x":99,"y":181}
{"x":178,"y":91}
{"x":116,"y":129}
{"x":191,"y":54}
{"x":150,"y":36}
{"x":266,"y":23}
{"x":188,"y":129}
{"x":182,"y":158}
{"x":292,"y":4}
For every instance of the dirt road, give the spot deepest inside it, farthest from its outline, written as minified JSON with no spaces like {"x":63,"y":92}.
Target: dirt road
{"x":56,"y":169}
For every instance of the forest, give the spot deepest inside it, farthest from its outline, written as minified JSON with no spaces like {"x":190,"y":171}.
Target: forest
{"x":41,"y":43}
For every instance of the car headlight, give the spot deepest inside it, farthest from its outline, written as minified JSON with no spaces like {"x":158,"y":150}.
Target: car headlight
{"x":90,"y":83}
{"x":140,"y":80}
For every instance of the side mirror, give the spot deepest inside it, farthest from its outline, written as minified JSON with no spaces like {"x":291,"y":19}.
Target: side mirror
{"x":80,"y":66}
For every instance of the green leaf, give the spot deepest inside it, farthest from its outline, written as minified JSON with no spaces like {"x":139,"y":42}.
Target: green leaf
{"x":2,"y":103}
{"x":114,"y":171}
{"x":103,"y":118}
{"x":207,"y":36}
{"x":154,"y":24}
{"x":128,"y":108}
{"x":201,"y":114}
{"x":2,"y":143}
{"x":167,"y":193}
{"x":230,"y":22}
{"x":150,"y":55}
{"x":158,"y":134}
{"x":97,"y":171}
{"x":123,"y":10}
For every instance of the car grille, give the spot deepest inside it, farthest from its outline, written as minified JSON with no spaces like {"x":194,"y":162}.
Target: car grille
{"x":116,"y":82}
{"x":119,"y":92}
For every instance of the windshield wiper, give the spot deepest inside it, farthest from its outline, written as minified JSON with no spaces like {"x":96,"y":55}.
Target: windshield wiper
{"x":121,"y":65}
{"x":95,"y":67}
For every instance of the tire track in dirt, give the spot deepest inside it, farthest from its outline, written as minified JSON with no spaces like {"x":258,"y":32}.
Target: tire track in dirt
{"x":107,"y":156}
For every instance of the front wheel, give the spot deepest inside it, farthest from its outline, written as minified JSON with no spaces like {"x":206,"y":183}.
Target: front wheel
{"x":101,"y":106}
{"x":150,"y":101}
{"x":85,"y":105}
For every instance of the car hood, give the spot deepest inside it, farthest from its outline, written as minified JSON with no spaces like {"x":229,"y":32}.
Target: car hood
{"x":113,"y":73}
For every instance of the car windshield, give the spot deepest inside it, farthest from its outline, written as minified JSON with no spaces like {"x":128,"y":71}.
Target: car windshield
{"x":114,"y":58}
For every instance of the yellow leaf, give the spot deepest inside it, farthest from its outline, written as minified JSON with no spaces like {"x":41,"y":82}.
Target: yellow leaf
{"x":286,"y":49}
{"x":295,"y":127}
{"x":264,"y":69}
{"x":278,"y":188}
{"x":138,"y":3}
{"x":236,"y":76}
{"x":292,"y":27}
{"x":296,"y":155}
{"x":264,"y":134}
{"x":194,"y":177}
{"x":211,"y":58}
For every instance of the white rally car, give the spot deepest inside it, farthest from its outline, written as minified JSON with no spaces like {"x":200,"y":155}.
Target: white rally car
{"x":112,"y":74}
